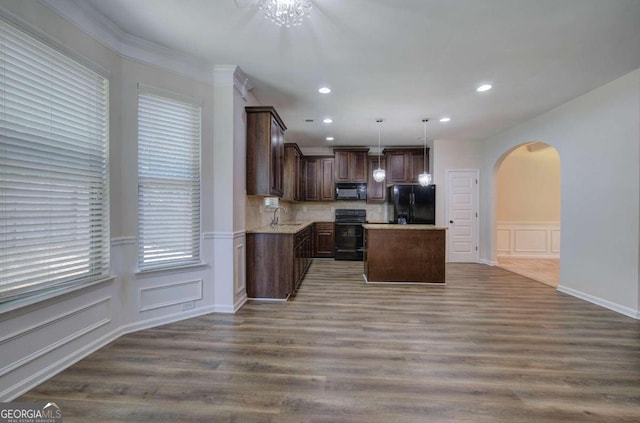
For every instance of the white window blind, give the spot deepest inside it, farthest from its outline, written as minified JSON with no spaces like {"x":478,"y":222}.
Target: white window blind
{"x":54,"y":223}
{"x":168,"y":182}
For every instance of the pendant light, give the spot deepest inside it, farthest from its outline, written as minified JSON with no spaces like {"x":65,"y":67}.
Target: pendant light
{"x":379,"y":174}
{"x":425,"y":178}
{"x":285,"y":13}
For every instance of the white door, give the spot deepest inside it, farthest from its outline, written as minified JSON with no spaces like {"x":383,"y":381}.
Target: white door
{"x":462,"y":215}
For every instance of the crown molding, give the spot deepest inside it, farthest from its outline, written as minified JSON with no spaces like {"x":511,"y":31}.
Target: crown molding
{"x":232,"y":76}
{"x":88,"y":19}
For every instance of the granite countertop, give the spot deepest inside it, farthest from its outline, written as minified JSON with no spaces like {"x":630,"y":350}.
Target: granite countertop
{"x":283,"y":228}
{"x":404,"y":227}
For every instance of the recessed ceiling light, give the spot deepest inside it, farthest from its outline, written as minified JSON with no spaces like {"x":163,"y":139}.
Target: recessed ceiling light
{"x":324,"y":90}
{"x":328,"y":120}
{"x":484,"y":87}
{"x":445,"y":119}
{"x":330,"y":138}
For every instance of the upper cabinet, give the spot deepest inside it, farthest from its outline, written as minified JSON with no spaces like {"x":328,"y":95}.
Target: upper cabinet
{"x":265,"y":151}
{"x":350,"y":165}
{"x":405,"y":164}
{"x":318,"y":174}
{"x":376,"y":191}
{"x":292,"y":183}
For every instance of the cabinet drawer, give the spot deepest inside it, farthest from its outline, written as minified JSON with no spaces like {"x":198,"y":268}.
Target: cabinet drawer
{"x":324,"y":226}
{"x":302,"y":235}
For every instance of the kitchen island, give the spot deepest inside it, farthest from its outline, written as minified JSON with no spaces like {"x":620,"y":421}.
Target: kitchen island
{"x":404,"y":253}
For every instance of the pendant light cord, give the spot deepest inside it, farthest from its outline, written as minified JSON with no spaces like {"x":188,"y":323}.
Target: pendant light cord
{"x":379,"y":123}
{"x":424,"y":158}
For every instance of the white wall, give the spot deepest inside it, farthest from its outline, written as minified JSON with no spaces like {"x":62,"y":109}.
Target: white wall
{"x":450,"y":155}
{"x":529,"y":186}
{"x":597,"y":136}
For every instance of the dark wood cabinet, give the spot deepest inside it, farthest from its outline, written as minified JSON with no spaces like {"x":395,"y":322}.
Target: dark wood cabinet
{"x":386,"y":246}
{"x":404,"y":164}
{"x":265,"y":151}
{"x":418,"y":164}
{"x":318,"y":178}
{"x":293,"y":176}
{"x":310,"y":179}
{"x":376,"y":191}
{"x":327,"y":185}
{"x":277,"y":263}
{"x":324,"y":236}
{"x":303,"y":246}
{"x":350,"y":165}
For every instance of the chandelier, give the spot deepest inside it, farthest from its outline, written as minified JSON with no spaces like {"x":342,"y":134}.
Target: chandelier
{"x":379,"y":174}
{"x":285,"y":13}
{"x":425,"y":178}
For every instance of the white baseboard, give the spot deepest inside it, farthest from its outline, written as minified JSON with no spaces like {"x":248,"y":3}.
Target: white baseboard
{"x":166,"y":319}
{"x":488,"y":262}
{"x":240,"y":302}
{"x":529,"y":256}
{"x":635,"y":314}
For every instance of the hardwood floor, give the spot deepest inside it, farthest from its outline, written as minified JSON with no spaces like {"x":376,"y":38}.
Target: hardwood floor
{"x":490,"y":346}
{"x":546,"y":271}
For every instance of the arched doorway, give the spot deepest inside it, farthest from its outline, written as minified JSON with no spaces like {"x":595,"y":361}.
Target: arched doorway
{"x":528,"y":212}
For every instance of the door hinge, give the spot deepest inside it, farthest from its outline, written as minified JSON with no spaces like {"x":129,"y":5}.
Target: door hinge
{"x":476,"y":182}
{"x":476,"y":248}
{"x":476,"y":214}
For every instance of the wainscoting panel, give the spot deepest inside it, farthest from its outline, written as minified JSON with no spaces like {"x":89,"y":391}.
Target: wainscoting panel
{"x":43,"y":338}
{"x":26,"y":345}
{"x":503,"y":237}
{"x":170,"y":294}
{"x":555,"y":241}
{"x":239,"y":275}
{"x":528,"y":239}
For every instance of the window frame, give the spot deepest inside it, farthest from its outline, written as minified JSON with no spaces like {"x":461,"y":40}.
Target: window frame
{"x":23,"y":128}
{"x":148,"y":267}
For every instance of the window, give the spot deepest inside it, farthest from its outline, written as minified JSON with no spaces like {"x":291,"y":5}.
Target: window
{"x":54,"y":131}
{"x":168,"y":182}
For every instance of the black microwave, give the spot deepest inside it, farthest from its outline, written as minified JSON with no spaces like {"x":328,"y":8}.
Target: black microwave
{"x":350,"y":191}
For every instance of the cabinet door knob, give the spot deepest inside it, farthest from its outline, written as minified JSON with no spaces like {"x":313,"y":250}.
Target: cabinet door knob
{"x":451,"y":221}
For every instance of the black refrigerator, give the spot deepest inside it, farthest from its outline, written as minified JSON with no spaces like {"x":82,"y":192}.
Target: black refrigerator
{"x":411,"y":204}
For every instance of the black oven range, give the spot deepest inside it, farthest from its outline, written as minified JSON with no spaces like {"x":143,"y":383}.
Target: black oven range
{"x":349,"y":234}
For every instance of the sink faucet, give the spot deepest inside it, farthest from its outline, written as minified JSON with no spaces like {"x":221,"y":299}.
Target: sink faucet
{"x":274,"y":221}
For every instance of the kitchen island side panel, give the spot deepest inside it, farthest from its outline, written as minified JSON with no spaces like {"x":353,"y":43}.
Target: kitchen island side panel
{"x":405,"y":255}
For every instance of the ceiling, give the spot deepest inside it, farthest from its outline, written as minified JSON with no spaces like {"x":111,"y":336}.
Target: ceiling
{"x":402,"y":60}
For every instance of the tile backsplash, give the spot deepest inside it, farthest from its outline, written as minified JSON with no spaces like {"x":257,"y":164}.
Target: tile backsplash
{"x":258,"y":215}
{"x":325,"y":211}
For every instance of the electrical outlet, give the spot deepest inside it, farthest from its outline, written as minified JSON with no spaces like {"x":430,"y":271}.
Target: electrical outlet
{"x":189,"y":305}
{"x":271,"y":202}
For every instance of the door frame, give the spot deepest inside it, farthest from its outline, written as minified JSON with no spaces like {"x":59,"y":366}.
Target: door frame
{"x":476,"y":199}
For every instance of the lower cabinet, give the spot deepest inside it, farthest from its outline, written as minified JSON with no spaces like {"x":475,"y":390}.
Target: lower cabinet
{"x":324,"y":238}
{"x":277,"y":263}
{"x":303,"y":256}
